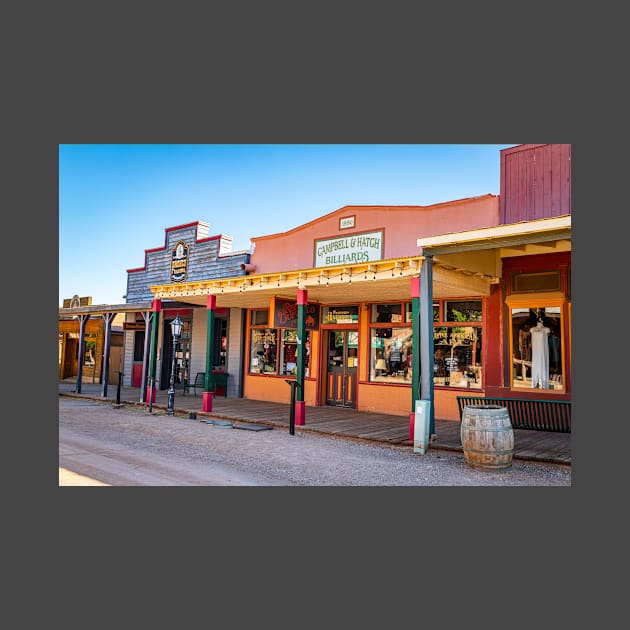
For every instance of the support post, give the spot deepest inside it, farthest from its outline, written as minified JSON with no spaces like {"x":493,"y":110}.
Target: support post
{"x":293,"y":385}
{"x":415,"y":356}
{"x":107,"y":318}
{"x":82,"y":325}
{"x":427,"y":356}
{"x":156,"y":307}
{"x":146,"y":315}
{"x":209,"y":380}
{"x":300,"y":406}
{"x":120,"y":375}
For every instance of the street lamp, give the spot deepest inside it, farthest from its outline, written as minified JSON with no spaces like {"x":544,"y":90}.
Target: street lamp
{"x":176,"y":330}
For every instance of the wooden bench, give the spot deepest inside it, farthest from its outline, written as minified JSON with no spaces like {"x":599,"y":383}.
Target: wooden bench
{"x":218,"y":379}
{"x":537,"y":415}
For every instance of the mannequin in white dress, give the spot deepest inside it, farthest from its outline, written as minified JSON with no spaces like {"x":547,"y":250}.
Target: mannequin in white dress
{"x":540,"y":355}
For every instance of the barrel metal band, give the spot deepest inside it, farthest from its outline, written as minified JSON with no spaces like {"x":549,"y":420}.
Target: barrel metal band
{"x":467,"y":428}
{"x":503,"y":452}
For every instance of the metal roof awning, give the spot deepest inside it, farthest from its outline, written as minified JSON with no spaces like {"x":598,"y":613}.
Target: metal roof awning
{"x":503,"y":236}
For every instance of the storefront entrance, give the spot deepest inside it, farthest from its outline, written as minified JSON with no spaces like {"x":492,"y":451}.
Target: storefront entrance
{"x":182,"y":356}
{"x":341,"y":370}
{"x":70,"y":358}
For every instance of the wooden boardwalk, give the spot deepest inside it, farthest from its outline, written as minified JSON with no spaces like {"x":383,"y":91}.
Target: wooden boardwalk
{"x":337,"y":422}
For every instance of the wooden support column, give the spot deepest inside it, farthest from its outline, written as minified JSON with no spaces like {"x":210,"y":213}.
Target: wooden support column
{"x":146,"y":315}
{"x":300,"y":405}
{"x":107,"y":318}
{"x":156,"y":307}
{"x":415,"y":356}
{"x":209,"y":381}
{"x":427,"y":356}
{"x":82,"y":324}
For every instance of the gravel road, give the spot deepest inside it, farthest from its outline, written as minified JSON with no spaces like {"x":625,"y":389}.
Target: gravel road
{"x":128,"y":446}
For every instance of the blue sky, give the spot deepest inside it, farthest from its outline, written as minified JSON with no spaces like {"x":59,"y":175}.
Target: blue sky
{"x":115,"y":201}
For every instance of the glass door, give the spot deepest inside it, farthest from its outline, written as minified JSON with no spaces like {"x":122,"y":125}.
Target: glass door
{"x":341,"y":371}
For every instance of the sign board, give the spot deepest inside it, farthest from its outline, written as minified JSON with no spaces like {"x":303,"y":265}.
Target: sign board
{"x":451,"y":364}
{"x":346,"y":222}
{"x":285,"y":314}
{"x":341,"y":315}
{"x":179,"y":262}
{"x":348,"y":250}
{"x":75,"y":301}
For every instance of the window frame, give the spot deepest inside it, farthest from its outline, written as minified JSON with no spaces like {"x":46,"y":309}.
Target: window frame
{"x":279,"y":347}
{"x":373,"y":376}
{"x":537,"y":301}
{"x":440,"y":315}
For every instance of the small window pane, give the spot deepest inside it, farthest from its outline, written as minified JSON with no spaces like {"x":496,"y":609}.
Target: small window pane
{"x":408,"y":312}
{"x":260,"y":318}
{"x":138,"y":345}
{"x":463,"y":311}
{"x":340,"y":314}
{"x":386,"y":313}
{"x":542,"y":281}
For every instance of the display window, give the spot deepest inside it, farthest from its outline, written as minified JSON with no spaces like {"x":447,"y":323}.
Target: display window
{"x":263,"y":351}
{"x":275,"y":351}
{"x":457,"y":343}
{"x":536,"y":334}
{"x":390,"y":346}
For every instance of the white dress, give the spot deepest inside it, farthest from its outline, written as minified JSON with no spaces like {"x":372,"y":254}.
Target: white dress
{"x":540,"y":356}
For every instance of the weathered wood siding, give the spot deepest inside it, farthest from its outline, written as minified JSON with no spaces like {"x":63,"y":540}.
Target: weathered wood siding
{"x":235,"y":352}
{"x":128,"y":352}
{"x":208,"y":258}
{"x":234,"y":358}
{"x":535,"y":182}
{"x":198,"y":335}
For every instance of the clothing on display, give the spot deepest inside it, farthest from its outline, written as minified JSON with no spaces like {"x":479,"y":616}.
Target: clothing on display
{"x":540,"y":355}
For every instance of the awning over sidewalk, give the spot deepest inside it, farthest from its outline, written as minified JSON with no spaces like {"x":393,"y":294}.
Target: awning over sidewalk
{"x":379,"y":280}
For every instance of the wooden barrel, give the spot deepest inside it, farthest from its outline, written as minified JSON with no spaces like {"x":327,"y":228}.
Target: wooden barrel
{"x":487,"y":436}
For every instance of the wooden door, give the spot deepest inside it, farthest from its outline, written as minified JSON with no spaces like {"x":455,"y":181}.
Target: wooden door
{"x":341,"y":371}
{"x":70,"y":358}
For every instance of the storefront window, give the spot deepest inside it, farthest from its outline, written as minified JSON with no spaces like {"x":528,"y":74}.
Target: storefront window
{"x":263,"y":351}
{"x":288,"y":352}
{"x":457,"y":348}
{"x":264,"y":354}
{"x":457,"y":343}
{"x":390,"y":355}
{"x":536,"y":335}
{"x":457,"y":356}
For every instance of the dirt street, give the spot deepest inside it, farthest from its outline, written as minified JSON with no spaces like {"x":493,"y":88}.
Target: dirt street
{"x":127,"y":446}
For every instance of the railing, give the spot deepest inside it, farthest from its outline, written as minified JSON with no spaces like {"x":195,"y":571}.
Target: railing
{"x":527,"y":413}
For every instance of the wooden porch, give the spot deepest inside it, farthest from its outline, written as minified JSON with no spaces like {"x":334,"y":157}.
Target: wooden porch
{"x":333,"y":421}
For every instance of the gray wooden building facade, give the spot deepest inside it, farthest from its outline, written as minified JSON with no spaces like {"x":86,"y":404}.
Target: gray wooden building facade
{"x":189,"y":254}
